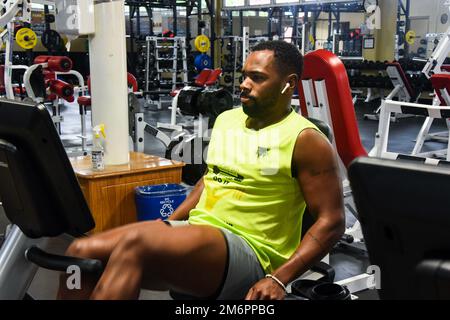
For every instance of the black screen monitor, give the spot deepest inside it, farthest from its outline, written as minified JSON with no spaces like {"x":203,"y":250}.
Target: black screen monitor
{"x":38,"y":187}
{"x":404,"y":210}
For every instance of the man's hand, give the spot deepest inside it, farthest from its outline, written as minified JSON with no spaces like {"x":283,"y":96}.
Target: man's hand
{"x":266,"y":289}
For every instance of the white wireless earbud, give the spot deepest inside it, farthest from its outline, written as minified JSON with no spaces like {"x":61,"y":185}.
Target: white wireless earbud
{"x":285,"y":88}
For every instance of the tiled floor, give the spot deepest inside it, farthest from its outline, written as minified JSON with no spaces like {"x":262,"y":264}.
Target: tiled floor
{"x":45,"y":283}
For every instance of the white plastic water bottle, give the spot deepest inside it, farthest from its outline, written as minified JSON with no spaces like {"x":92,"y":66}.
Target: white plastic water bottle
{"x":98,"y":152}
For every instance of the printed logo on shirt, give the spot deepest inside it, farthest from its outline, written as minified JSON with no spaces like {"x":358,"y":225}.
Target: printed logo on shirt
{"x":229,"y":173}
{"x":262,"y":152}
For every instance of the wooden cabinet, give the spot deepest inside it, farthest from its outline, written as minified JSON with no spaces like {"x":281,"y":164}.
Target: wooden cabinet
{"x":110,"y":193}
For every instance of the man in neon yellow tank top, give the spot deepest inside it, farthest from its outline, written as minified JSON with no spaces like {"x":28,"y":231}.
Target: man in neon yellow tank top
{"x":238,"y":233}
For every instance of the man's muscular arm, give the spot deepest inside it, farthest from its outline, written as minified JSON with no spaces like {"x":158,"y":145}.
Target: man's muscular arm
{"x":182,"y":212}
{"x":316,"y":168}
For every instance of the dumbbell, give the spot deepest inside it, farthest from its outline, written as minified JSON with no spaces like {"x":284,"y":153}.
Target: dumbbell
{"x":358,"y":82}
{"x":365,"y":65}
{"x":228,"y":58}
{"x":421,"y":51}
{"x":140,"y":60}
{"x":349,"y":65}
{"x":228,"y":79}
{"x":379,"y":65}
{"x":379,"y":82}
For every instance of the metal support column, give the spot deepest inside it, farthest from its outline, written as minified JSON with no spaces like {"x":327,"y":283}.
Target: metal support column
{"x":210,"y":4}
{"x":138,"y":21}
{"x":174,"y":13}
{"x":330,"y":26}
{"x":269,"y":23}
{"x":280,"y":22}
{"x":407,"y":23}
{"x":294,"y":11}
{"x":241,"y":22}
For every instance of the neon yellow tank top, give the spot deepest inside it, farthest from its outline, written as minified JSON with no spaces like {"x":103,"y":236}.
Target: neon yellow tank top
{"x":249,"y":188}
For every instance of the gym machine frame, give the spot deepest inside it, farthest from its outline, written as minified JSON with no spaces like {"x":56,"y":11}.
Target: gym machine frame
{"x":320,"y":109}
{"x":179,"y":43}
{"x":400,"y":91}
{"x":390,"y":106}
{"x":434,"y":66}
{"x":12,"y":9}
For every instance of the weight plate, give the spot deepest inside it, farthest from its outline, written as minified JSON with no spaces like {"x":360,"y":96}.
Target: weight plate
{"x":51,"y":40}
{"x":202,"y":43}
{"x":26,"y":38}
{"x":311,"y":40}
{"x":202,"y":61}
{"x":421,"y":51}
{"x":410,"y":37}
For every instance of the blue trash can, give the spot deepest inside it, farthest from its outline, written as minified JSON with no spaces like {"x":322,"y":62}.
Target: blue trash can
{"x":158,"y":201}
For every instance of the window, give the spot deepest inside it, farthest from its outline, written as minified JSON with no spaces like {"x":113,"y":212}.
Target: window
{"x":258,"y":2}
{"x":234,"y":3}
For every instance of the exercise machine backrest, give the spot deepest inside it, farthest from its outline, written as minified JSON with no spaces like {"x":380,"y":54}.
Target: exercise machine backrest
{"x":441,"y":85}
{"x":213,"y":77}
{"x":399,"y":78}
{"x":323,"y":65}
{"x":403,"y":208}
{"x":39,"y":190}
{"x":202,"y":77}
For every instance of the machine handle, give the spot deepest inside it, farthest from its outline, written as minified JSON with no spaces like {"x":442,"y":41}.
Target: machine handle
{"x":325,"y":269}
{"x":347,"y":238}
{"x":61,"y":263}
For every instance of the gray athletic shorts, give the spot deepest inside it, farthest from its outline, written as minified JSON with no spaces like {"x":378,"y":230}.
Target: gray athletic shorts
{"x":243,"y":269}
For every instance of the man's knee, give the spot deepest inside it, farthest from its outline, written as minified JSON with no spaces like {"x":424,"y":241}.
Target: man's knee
{"x":133,"y":245}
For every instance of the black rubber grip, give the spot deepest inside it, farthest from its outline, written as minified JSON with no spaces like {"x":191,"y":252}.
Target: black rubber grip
{"x":61,"y":263}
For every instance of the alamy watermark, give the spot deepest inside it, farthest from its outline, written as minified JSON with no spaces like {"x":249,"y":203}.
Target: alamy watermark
{"x":69,"y":10}
{"x":73,"y":281}
{"x":375,"y":281}
{"x":373,"y":20}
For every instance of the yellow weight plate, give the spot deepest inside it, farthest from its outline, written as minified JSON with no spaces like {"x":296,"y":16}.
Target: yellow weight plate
{"x":311,"y":39}
{"x":410,"y":37}
{"x":202,"y":43}
{"x":26,"y":38}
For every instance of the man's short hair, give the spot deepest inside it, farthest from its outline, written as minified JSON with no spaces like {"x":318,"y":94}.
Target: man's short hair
{"x":288,"y":58}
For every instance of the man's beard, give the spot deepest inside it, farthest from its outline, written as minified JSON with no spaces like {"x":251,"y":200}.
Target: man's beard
{"x":256,"y":109}
{"x":253,"y":110}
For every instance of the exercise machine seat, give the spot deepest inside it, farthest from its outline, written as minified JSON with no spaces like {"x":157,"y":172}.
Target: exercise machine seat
{"x":2,"y":80}
{"x":84,"y":101}
{"x":202,"y":77}
{"x":132,"y":82}
{"x":403,"y":79}
{"x":324,"y":65}
{"x":441,"y":82}
{"x":445,"y":67}
{"x":213,"y":77}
